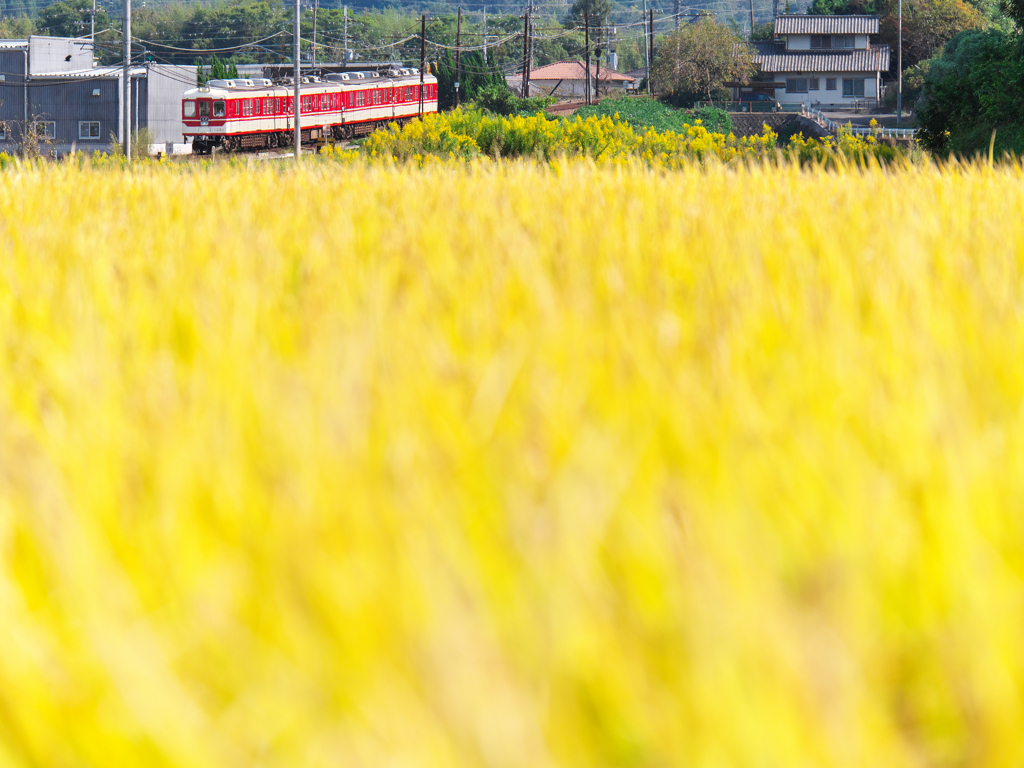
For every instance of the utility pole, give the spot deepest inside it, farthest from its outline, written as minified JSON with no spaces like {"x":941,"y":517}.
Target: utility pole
{"x":126,"y":33}
{"x":751,"y":19}
{"x":485,"y":34}
{"x":675,"y":12}
{"x":899,"y":75}
{"x":92,"y":27}
{"x":650,"y":58}
{"x":586,"y":49}
{"x":297,"y":111}
{"x":647,"y":52}
{"x":526,"y":49}
{"x":423,"y":56}
{"x":346,"y":34}
{"x":597,"y":56}
{"x":316,"y":7}
{"x":458,"y":57}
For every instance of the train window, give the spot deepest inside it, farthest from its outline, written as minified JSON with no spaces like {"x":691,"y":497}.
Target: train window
{"x":204,"y":108}
{"x":360,"y":99}
{"x":268,"y":106}
{"x":189,"y":108}
{"x":218,"y":109}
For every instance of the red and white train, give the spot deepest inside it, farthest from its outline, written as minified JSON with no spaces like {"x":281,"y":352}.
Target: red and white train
{"x":258,"y":114}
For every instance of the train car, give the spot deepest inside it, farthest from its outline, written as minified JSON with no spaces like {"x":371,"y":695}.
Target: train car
{"x":259,"y":114}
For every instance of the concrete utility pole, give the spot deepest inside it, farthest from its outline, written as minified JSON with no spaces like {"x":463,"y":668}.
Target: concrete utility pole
{"x":297,"y":76}
{"x":650,"y":58}
{"x":423,"y":56}
{"x":316,"y":7}
{"x":485,"y":34}
{"x":345,"y":43}
{"x":675,"y":12}
{"x":899,"y":75}
{"x":586,"y":49}
{"x":458,"y":56}
{"x":92,"y":26}
{"x":126,"y":33}
{"x":647,"y":53}
{"x":751,"y":19}
{"x":526,"y":49}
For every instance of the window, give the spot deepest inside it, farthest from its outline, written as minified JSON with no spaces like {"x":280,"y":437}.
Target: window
{"x":268,"y":106}
{"x":189,"y":109}
{"x":204,"y":108}
{"x":88,"y":129}
{"x":853,"y":87}
{"x":360,"y":99}
{"x":796,"y":85}
{"x":46,"y":129}
{"x":843,"y":41}
{"x":219,"y":109}
{"x":3,"y":132}
{"x":830,"y":83}
{"x":812,"y":84}
{"x":246,"y":107}
{"x":821,"y":41}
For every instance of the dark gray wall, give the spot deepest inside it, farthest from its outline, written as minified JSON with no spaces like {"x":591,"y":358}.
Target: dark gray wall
{"x":66,"y":102}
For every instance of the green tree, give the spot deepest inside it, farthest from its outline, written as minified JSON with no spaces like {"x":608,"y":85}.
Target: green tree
{"x":700,"y":58}
{"x":474,"y":77}
{"x":597,"y":11}
{"x":927,"y":26}
{"x":974,"y":88}
{"x":70,"y":18}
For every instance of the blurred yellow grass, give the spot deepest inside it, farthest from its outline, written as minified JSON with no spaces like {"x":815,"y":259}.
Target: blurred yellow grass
{"x":504,"y":465}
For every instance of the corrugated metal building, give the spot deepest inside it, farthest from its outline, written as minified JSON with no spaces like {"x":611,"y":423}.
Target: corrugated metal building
{"x":51,"y":87}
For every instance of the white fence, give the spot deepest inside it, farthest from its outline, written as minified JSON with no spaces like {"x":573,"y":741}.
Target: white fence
{"x":833,"y":127}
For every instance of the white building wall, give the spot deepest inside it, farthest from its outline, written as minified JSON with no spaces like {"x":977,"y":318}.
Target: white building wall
{"x":803,"y":42}
{"x":165,"y":85}
{"x":51,"y":54}
{"x":822,"y":95}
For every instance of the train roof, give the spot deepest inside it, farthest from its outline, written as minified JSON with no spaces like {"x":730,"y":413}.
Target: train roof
{"x":263,"y":86}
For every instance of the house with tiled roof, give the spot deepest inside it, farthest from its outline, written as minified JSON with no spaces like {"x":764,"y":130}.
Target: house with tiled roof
{"x":822,"y":60}
{"x":568,"y":80}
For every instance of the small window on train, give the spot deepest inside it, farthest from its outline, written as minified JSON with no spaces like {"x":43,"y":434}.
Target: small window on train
{"x":189,"y":108}
{"x":218,"y":109}
{"x":204,"y":108}
{"x":268,"y":106}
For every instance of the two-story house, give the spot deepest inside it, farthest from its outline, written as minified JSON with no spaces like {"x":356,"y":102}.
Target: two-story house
{"x":826,"y":60}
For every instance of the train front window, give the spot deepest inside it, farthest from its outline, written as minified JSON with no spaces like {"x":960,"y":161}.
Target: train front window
{"x":218,"y":109}
{"x":204,"y":108}
{"x":190,"y":108}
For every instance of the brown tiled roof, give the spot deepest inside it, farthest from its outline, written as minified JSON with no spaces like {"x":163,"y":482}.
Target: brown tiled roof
{"x":573,"y":70}
{"x":873,"y":59}
{"x":826,"y":25}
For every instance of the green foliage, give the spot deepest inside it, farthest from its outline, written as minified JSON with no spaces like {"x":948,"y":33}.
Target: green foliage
{"x":497,"y":98}
{"x":765,"y":31}
{"x":598,"y":12}
{"x":643,"y":112}
{"x":974,"y":88}
{"x":700,"y":58}
{"x":476,"y":75}
{"x":842,"y":7}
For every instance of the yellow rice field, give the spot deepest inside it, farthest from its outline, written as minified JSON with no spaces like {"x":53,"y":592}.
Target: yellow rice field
{"x":511,"y":466}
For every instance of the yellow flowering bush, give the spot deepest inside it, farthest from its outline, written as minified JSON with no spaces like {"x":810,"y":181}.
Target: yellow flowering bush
{"x":604,"y":139}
